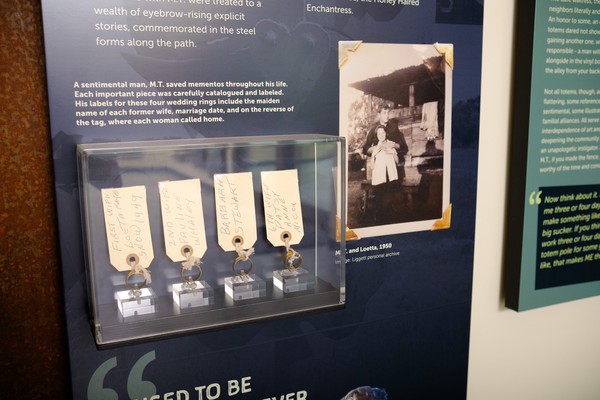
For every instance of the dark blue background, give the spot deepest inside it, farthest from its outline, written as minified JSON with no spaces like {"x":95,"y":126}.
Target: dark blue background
{"x":405,"y":327}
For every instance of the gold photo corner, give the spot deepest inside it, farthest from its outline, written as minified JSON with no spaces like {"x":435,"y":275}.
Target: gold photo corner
{"x":443,"y":223}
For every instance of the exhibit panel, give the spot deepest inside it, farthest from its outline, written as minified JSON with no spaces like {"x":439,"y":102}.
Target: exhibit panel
{"x":249,"y":207}
{"x":554,"y":187}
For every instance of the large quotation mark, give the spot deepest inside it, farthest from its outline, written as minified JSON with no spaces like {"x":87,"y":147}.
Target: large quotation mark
{"x":96,"y":389}
{"x":136,"y":387}
{"x":535,"y":198}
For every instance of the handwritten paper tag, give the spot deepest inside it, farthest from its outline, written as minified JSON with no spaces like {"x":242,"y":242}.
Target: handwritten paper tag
{"x":283,"y":211}
{"x":127,"y":227}
{"x":183,"y":218}
{"x":236,"y":215}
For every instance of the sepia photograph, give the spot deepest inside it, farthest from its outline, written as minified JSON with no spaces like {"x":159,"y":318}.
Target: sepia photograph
{"x":395,"y":112}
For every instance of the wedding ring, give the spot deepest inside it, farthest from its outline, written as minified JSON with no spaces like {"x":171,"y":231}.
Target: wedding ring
{"x":293,"y":259}
{"x":134,"y":260}
{"x":136,"y":287}
{"x":192,"y":277}
{"x":242,"y":272}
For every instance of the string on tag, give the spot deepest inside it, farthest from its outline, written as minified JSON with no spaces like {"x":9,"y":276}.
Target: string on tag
{"x":187,"y":265}
{"x":293,"y":259}
{"x":138,"y":269}
{"x":243,"y":255}
{"x":191,"y":262}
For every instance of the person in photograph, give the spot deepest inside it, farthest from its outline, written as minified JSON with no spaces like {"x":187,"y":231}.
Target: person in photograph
{"x":383,"y":117}
{"x":384,"y":178}
{"x":385,"y":158}
{"x":394,"y":135}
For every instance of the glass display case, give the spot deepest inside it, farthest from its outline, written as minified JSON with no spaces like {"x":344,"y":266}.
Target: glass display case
{"x":186,"y":235}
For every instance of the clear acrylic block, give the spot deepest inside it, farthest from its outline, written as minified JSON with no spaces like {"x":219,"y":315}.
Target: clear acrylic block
{"x":245,"y":287}
{"x":290,"y":281}
{"x":193,"y":294}
{"x":132,"y":303}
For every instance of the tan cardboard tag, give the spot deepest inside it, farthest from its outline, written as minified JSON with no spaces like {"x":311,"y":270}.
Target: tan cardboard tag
{"x":183,"y":219}
{"x":127,"y":227}
{"x":283,"y":210}
{"x":236,"y":214}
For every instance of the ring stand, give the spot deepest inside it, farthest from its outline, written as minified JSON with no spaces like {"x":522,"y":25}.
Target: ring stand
{"x":138,"y":299}
{"x":244,"y":287}
{"x":136,"y":302}
{"x":193,"y":294}
{"x":289,"y":281}
{"x":293,"y":278}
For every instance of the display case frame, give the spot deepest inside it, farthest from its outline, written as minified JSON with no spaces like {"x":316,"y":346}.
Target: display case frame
{"x":318,"y":160}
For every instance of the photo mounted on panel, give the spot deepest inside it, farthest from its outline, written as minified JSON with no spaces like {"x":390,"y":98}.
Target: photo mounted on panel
{"x":395,"y":112}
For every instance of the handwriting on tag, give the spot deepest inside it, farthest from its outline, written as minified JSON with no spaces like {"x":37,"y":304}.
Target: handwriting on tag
{"x":127,"y":227}
{"x":236,"y":214}
{"x":283,"y":210}
{"x":183,"y":218}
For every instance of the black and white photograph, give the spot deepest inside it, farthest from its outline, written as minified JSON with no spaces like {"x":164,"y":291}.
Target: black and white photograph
{"x":395,"y":112}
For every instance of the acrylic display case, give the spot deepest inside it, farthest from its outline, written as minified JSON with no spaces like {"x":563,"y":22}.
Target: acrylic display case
{"x":187,"y":235}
